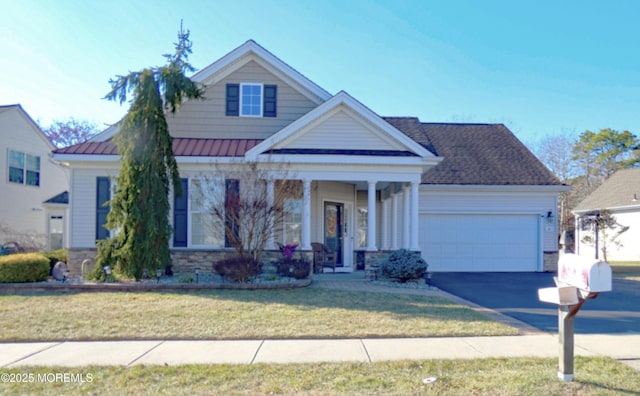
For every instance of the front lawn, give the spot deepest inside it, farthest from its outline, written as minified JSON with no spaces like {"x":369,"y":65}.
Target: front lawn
{"x":237,"y":314}
{"x":516,"y":376}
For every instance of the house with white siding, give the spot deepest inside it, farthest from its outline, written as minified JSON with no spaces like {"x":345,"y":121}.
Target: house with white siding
{"x":620,"y":196}
{"x":468,"y":197}
{"x":33,"y":188}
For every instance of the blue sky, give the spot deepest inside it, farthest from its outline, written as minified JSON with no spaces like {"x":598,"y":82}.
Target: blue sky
{"x":540,"y":67}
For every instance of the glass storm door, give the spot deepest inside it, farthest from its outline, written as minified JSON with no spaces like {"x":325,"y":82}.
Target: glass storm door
{"x":333,"y":229}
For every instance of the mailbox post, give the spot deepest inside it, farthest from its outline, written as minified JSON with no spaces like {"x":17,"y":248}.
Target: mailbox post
{"x":579,"y":279}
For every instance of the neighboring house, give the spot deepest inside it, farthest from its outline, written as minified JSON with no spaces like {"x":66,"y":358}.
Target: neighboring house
{"x":469,"y":197}
{"x":620,"y":195}
{"x":32,"y":187}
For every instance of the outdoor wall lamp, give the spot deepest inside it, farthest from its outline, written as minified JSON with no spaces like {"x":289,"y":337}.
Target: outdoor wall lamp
{"x":158,"y":275}
{"x":197,"y":273}
{"x":549,"y":217}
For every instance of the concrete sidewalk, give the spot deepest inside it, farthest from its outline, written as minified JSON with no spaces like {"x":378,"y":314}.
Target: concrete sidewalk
{"x":625,"y":348}
{"x":532,"y":343}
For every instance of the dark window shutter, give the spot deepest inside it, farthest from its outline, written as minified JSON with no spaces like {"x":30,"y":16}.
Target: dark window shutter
{"x":103,"y":194}
{"x":231,"y":201}
{"x":233,"y":100}
{"x":270,"y":101}
{"x":180,"y":215}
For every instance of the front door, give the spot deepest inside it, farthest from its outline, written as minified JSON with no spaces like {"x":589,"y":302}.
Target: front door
{"x":334,"y":229}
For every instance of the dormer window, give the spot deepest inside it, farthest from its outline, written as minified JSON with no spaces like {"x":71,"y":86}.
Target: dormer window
{"x":251,"y":100}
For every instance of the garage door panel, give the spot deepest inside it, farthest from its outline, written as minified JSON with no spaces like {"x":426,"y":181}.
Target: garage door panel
{"x":480,"y":242}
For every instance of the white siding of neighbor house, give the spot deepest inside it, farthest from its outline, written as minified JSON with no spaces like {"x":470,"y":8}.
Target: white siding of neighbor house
{"x":207,"y":119}
{"x":21,"y":205}
{"x":496,"y":202}
{"x":629,"y":249}
{"x":341,"y":127}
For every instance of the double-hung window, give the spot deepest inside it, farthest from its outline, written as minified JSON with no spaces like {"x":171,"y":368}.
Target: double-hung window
{"x":292,"y":221}
{"x":363,"y":226}
{"x":206,"y":228}
{"x":251,"y":100}
{"x":24,"y":168}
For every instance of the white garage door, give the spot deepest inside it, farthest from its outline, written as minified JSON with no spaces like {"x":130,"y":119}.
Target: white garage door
{"x":487,"y":243}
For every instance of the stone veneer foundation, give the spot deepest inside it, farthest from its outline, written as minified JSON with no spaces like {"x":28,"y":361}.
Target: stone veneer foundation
{"x":184,"y":261}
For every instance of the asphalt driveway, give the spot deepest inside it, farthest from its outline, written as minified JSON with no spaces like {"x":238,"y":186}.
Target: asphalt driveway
{"x":516,"y":295}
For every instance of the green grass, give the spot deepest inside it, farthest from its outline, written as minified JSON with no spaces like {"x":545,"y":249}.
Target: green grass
{"x":626,"y":269}
{"x":516,"y":376}
{"x":237,"y":314}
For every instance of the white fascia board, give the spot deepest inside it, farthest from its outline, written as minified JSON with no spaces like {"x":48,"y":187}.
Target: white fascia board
{"x":612,"y":208}
{"x":355,"y":173}
{"x":209,"y":160}
{"x":55,"y":205}
{"x":234,"y":59}
{"x":346,"y":159}
{"x":76,"y":158}
{"x":341,"y":98}
{"x":493,"y":188}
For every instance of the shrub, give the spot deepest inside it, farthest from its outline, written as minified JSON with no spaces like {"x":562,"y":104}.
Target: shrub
{"x":403,"y":265}
{"x":238,"y":269}
{"x":298,"y":268}
{"x":24,"y":267}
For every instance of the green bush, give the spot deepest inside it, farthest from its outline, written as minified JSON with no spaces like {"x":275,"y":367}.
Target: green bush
{"x":24,"y":267}
{"x":238,"y":269}
{"x":403,"y":265}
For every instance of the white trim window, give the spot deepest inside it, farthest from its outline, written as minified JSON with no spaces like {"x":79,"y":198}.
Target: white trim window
{"x":250,"y":100}
{"x":363,"y":227}
{"x":206,"y":229}
{"x":56,"y":231}
{"x":292,"y":221}
{"x":24,"y":168}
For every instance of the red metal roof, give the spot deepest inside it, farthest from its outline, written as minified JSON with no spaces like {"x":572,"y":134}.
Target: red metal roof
{"x":182,"y":147}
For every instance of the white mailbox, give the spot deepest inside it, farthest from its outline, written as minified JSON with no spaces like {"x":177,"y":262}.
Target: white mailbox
{"x":562,"y":295}
{"x":579,"y":278}
{"x":587,"y":274}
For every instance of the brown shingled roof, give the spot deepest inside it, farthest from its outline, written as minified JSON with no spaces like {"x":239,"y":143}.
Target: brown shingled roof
{"x":475,"y":154}
{"x":183,"y":147}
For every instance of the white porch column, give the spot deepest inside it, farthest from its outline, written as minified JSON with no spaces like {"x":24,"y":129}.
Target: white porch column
{"x":406,"y":213}
{"x":371,"y":216}
{"x":385,"y":225}
{"x":415,"y":217}
{"x":306,"y":215}
{"x":271,"y":242}
{"x":395,"y":220}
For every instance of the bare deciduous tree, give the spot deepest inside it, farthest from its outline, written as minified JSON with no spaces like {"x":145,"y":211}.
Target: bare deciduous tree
{"x":249,"y":205}
{"x":606,"y":231}
{"x":21,"y":241}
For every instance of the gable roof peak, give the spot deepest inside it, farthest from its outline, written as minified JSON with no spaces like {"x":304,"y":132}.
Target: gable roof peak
{"x":251,"y":50}
{"x":18,"y":107}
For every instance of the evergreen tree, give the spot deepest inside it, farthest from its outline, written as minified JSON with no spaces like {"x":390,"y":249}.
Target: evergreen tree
{"x":140,"y":206}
